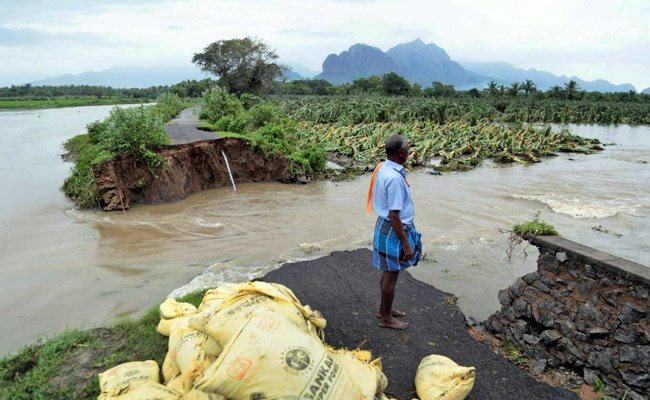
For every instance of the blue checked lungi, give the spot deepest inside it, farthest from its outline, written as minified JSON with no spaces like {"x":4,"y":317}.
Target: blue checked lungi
{"x":387,"y":248}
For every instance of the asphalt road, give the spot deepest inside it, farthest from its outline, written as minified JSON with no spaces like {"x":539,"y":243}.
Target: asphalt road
{"x":184,"y":128}
{"x":345,"y":288}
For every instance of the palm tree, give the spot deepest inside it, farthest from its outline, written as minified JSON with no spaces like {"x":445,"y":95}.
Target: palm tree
{"x":514,"y":88}
{"x":571,"y":89}
{"x":528,"y":87}
{"x":492,"y":88}
{"x":555,"y":92}
{"x":502,"y":90}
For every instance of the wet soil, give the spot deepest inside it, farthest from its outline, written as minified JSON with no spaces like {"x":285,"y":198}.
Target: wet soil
{"x":191,"y":167}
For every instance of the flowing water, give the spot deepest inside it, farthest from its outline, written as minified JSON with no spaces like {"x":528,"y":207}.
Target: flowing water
{"x":61,"y":267}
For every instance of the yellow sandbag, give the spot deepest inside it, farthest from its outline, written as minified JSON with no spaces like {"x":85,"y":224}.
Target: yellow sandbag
{"x":170,"y":369}
{"x":368,"y":375}
{"x":270,"y":358}
{"x":281,"y":292}
{"x":144,"y":391}
{"x":164,"y":326}
{"x":186,"y":353}
{"x":171,"y":309}
{"x":177,"y":384}
{"x":129,"y":374}
{"x":440,"y":378}
{"x":199,"y":395}
{"x":218,"y":295}
{"x":226,"y":322}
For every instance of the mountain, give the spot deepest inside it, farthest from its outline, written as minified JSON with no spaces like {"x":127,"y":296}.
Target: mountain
{"x":505,"y":73}
{"x":358,"y":61}
{"x":290,"y":75}
{"x":304,"y":72}
{"x":426,"y":63}
{"x":127,"y":77}
{"x":647,"y":91}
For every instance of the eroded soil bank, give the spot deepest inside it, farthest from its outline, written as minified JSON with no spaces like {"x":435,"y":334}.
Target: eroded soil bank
{"x":126,"y":180}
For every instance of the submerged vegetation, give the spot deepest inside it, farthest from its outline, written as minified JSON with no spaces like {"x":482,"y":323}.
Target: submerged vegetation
{"x":66,"y":365}
{"x":138,"y":129}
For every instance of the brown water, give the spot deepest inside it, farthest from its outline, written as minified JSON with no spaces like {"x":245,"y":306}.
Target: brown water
{"x":61,"y":267}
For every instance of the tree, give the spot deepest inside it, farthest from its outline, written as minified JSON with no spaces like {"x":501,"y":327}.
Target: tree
{"x":502,"y":90}
{"x":492,"y":88}
{"x":556,"y":92}
{"x":371,"y":84}
{"x":395,"y":85}
{"x":528,"y":87}
{"x":571,"y":89}
{"x":242,"y":65}
{"x":513,"y":90}
{"x":442,"y":90}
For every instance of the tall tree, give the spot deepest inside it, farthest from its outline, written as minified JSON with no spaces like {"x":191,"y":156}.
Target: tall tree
{"x":571,"y":89}
{"x":528,"y":87}
{"x":555,"y":92}
{"x":395,"y":85}
{"x":514,"y":88}
{"x":492,"y":88}
{"x":242,"y":65}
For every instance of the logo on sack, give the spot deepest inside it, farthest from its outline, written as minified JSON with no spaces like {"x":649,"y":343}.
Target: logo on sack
{"x":296,"y":360}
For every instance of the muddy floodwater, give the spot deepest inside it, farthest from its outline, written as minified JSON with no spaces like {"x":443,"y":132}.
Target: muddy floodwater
{"x":61,"y":267}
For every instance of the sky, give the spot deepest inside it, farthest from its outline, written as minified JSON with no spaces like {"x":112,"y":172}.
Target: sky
{"x":606,"y":39}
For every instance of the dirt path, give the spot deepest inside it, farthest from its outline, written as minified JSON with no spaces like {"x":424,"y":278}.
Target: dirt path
{"x":184,"y":128}
{"x":344,"y":287}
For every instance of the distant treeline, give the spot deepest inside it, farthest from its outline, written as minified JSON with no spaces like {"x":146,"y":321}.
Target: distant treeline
{"x":190,"y":88}
{"x":390,"y":84}
{"x":393,"y":84}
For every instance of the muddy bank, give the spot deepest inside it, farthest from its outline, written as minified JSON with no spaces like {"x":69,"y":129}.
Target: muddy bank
{"x":125,"y":179}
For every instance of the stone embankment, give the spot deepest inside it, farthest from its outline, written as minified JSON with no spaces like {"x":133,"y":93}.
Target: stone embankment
{"x":126,"y":180}
{"x":583,"y":310}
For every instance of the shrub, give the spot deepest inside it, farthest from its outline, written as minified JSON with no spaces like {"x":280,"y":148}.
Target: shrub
{"x":310,"y":160}
{"x":217,"y":103}
{"x":228,"y":123}
{"x":80,"y":185}
{"x":271,"y":139}
{"x":249,"y":100}
{"x":169,"y":105}
{"x":265,"y":113}
{"x":135,"y":129}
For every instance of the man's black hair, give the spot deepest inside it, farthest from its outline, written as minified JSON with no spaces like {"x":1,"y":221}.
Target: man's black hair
{"x":394,"y":144}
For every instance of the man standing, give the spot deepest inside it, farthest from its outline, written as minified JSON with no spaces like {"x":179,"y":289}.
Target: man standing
{"x":397,"y":244}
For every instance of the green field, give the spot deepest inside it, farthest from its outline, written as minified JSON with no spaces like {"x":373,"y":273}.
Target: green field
{"x":57,"y":103}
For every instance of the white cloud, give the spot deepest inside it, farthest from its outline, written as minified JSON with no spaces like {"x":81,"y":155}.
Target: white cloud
{"x":597,"y":39}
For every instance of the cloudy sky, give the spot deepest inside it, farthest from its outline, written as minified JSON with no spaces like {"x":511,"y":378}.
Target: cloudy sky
{"x":594,"y":39}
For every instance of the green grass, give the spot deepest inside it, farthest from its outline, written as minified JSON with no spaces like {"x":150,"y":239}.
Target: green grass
{"x":66,"y":365}
{"x":75,"y":145}
{"x":57,"y":103}
{"x":534,"y":227}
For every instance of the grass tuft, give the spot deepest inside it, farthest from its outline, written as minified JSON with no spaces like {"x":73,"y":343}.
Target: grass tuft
{"x":534,"y":227}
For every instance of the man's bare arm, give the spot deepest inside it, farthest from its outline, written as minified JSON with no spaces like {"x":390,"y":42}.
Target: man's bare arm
{"x":396,"y":222}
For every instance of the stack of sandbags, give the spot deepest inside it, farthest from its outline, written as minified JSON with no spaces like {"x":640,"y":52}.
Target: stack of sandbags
{"x":170,"y":310}
{"x":254,"y":340}
{"x":440,"y":378}
{"x":134,"y":380}
{"x":268,"y":357}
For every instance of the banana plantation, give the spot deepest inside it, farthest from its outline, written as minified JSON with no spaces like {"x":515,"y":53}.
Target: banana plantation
{"x":354,"y":110}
